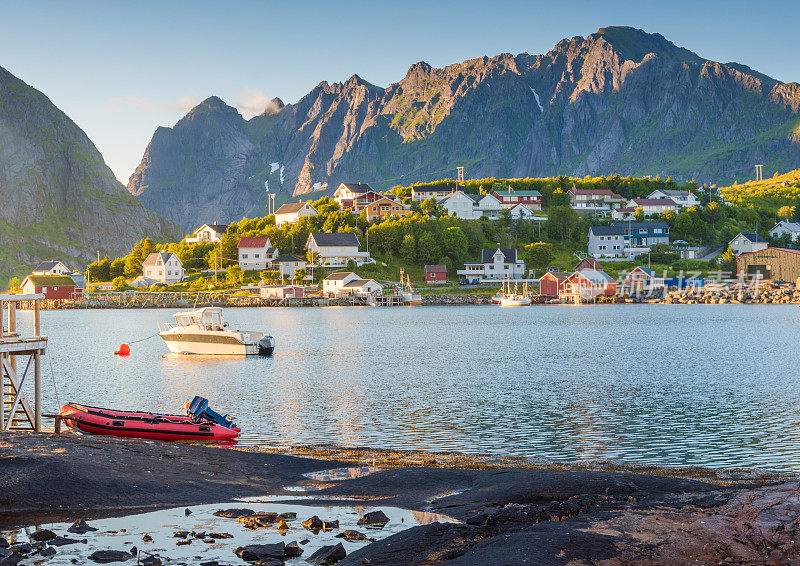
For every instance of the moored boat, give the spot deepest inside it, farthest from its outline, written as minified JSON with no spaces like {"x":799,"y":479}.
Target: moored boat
{"x":200,"y":424}
{"x":204,"y":331}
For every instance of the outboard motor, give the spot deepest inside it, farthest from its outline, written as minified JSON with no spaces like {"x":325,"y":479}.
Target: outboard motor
{"x":266,"y":345}
{"x":198,"y":409}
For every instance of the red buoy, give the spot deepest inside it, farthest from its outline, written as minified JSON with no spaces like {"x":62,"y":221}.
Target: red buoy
{"x":124,"y":350}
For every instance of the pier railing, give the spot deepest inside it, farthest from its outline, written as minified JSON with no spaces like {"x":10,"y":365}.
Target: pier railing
{"x":16,"y":350}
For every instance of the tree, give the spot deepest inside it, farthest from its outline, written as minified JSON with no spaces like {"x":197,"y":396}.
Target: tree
{"x":562,"y":223}
{"x":408,"y":249}
{"x":427,"y":249}
{"x":233,"y":274}
{"x":455,"y":243}
{"x":100,"y":271}
{"x":727,"y":261}
{"x":431,"y":207}
{"x":117,"y":268}
{"x":786,"y":212}
{"x":14,"y":285}
{"x":639,"y":214}
{"x":538,"y":256}
{"x":119,"y":283}
{"x":299,"y":274}
{"x":559,"y":198}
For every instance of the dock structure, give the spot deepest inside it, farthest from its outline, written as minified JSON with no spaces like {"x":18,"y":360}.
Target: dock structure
{"x":17,"y":351}
{"x":388,"y":301}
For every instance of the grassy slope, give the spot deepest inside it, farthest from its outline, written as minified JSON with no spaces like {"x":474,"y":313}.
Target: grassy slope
{"x":769,"y":194}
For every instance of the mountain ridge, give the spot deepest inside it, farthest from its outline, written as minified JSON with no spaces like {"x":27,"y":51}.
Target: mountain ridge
{"x":59,"y":197}
{"x":620,"y":101}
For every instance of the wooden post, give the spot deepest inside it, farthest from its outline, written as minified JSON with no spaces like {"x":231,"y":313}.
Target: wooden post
{"x":36,"y":323}
{"x":37,"y":384}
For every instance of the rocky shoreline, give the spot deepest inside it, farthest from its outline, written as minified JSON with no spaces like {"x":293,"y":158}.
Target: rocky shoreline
{"x":506,"y":515}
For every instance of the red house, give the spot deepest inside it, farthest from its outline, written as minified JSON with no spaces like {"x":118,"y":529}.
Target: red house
{"x":553,"y":283}
{"x":588,"y":263}
{"x":435,"y":273}
{"x":282,"y":292}
{"x":52,"y":286}
{"x":590,"y":283}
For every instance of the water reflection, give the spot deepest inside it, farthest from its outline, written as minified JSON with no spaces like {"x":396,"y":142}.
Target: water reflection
{"x":713,"y":385}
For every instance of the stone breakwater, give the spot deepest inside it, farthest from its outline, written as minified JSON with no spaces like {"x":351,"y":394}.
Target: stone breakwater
{"x":763,"y":294}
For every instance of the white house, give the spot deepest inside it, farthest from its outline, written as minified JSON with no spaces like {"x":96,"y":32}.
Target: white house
{"x":255,"y":253}
{"x":524,"y":212}
{"x":746,"y":242}
{"x":362,"y":287}
{"x":163,"y":267}
{"x":336,"y":249}
{"x":785,"y":227}
{"x":210,"y":233}
{"x":606,"y":241}
{"x":346,"y":193}
{"x":683,"y":199}
{"x":494,"y":264}
{"x":652,"y":205}
{"x":52,"y":267}
{"x":287,"y":264}
{"x":594,"y":201}
{"x":333,"y":283}
{"x":420,"y":194}
{"x":471,"y":207}
{"x":623,"y":213}
{"x":291,"y":212}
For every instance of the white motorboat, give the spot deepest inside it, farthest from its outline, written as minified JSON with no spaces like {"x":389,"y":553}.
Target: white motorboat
{"x":204,"y":331}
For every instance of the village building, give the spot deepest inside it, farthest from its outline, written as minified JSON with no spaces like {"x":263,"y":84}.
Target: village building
{"x":362,"y":288}
{"x":511,"y":198}
{"x":588,"y":263}
{"x":207,"y":233}
{"x":336,"y":249}
{"x":435,"y":274}
{"x":772,"y":264}
{"x":642,"y":280}
{"x":384,"y":208}
{"x":287,"y":264}
{"x":282,"y":292}
{"x":52,"y":267}
{"x":623,"y":213}
{"x":644,"y":234}
{"x":364,"y":200}
{"x":651,"y":206}
{"x":683,"y":199}
{"x":783,"y":228}
{"x":747,"y":242}
{"x":163,"y":267}
{"x":291,"y":212}
{"x":594,"y":201}
{"x":522,"y":212}
{"x":419,"y":194}
{"x":588,"y":284}
{"x":471,"y":207}
{"x":255,"y":253}
{"x":606,"y":241}
{"x":494,"y":264}
{"x":553,"y":283}
{"x":333,"y":283}
{"x":51,"y":286}
{"x":346,"y":194}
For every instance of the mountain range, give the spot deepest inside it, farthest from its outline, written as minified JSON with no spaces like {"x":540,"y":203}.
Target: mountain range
{"x":620,"y":101}
{"x":58,"y":197}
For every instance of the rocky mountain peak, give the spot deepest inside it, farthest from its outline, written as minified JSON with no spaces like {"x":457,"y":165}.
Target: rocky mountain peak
{"x":633,"y":44}
{"x":273,"y":107}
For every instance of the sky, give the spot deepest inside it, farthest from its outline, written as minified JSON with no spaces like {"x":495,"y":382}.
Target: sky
{"x":122,"y":69}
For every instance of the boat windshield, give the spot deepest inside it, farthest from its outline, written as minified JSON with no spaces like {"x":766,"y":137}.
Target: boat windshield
{"x":205,"y":320}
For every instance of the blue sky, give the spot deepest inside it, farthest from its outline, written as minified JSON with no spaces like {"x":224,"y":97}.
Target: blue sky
{"x":121,"y":69}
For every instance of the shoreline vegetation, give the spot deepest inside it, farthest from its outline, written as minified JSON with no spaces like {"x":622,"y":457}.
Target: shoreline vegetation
{"x":545,"y":513}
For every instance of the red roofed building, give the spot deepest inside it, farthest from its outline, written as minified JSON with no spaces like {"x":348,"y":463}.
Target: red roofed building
{"x":52,"y":286}
{"x":652,"y":205}
{"x":255,"y":253}
{"x":594,"y":201}
{"x":435,"y":273}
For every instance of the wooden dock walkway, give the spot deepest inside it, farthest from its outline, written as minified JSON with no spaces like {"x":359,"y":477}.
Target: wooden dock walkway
{"x":16,"y":411}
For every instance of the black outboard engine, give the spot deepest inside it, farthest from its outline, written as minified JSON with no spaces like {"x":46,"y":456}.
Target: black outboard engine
{"x":198,"y":409}
{"x":266,"y":345}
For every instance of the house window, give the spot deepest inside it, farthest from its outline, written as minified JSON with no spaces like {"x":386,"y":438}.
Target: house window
{"x":44,"y":289}
{"x":244,"y":256}
{"x":256,"y":256}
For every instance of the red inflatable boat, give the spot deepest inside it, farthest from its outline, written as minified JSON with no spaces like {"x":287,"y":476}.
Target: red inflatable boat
{"x":153,"y":426}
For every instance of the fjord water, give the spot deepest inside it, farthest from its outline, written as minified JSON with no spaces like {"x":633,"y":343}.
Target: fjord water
{"x":710,"y":385}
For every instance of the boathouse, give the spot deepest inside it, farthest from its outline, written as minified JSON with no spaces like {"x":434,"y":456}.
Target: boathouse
{"x":435,"y":273}
{"x":553,"y":283}
{"x":773,"y":264}
{"x":51,"y":286}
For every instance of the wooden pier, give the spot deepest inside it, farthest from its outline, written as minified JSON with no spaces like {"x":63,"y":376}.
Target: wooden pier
{"x":16,"y":412}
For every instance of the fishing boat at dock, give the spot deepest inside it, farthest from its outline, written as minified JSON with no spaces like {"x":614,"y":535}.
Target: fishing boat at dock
{"x":204,"y":331}
{"x":509,"y":298}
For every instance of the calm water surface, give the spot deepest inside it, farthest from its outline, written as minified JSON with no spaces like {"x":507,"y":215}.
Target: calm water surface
{"x":712,"y":385}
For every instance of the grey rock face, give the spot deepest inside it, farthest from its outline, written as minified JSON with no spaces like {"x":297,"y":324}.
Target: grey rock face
{"x":620,"y":101}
